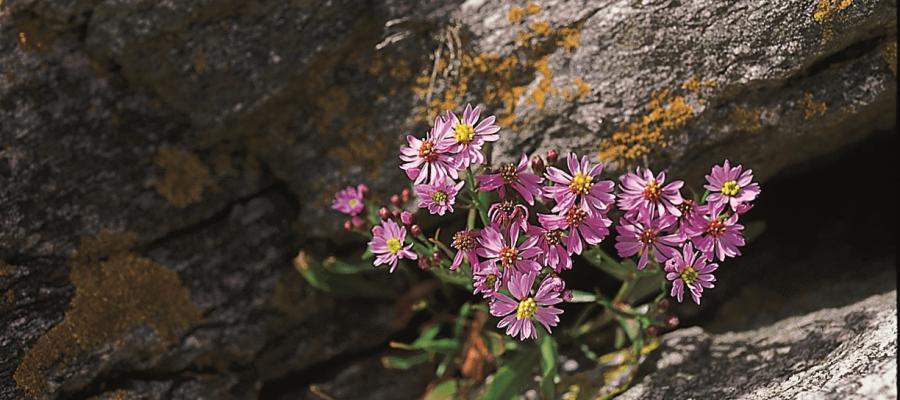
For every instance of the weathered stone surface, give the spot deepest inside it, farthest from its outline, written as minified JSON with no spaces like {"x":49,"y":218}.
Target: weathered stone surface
{"x":216,"y":131}
{"x":842,"y":353}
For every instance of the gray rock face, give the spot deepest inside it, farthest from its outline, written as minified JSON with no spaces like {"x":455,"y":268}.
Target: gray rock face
{"x":842,"y":353}
{"x":210,"y":135}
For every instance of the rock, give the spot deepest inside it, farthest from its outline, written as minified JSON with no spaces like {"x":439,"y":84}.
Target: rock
{"x":834,"y":353}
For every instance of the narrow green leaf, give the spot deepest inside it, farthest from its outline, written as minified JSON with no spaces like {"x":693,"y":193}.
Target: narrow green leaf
{"x":599,"y":259}
{"x":549,"y":373}
{"x":510,"y":380}
{"x":404,"y":362}
{"x":348,"y":285}
{"x":445,"y":390}
{"x":579,"y":296}
{"x":453,"y":277}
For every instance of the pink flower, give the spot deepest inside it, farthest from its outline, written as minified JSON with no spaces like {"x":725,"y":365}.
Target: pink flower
{"x":429,"y":160}
{"x":508,"y":214}
{"x":581,"y":225}
{"x":579,"y":184}
{"x":690,"y":269}
{"x":487,"y":279}
{"x":494,"y":246}
{"x":468,"y":137}
{"x":716,"y":234}
{"x":520,"y":311}
{"x":387,"y":244}
{"x":645,"y":194}
{"x":645,"y":238}
{"x":515,"y":176}
{"x":464,"y":243}
{"x":730,"y":186}
{"x":438,"y":198}
{"x":550,"y":241}
{"x":348,"y":201}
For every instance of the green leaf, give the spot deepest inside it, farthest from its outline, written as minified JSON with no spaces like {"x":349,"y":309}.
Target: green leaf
{"x":367,"y":255}
{"x":461,"y":319}
{"x":340,"y":267}
{"x":453,"y":277}
{"x":510,"y":380}
{"x":495,"y":343}
{"x":579,"y":296}
{"x":445,"y":390}
{"x":404,"y":362}
{"x":348,"y":285}
{"x":549,"y":373}
{"x":599,"y":259}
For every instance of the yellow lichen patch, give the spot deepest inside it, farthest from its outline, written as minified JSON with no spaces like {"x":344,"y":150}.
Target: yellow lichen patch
{"x":570,"y":39}
{"x":544,"y":87}
{"x":579,"y":91}
{"x":665,"y":113}
{"x":890,"y":55}
{"x":746,"y":119}
{"x":826,"y":9}
{"x":533,"y":8}
{"x":692,"y":84}
{"x":811,"y":107}
{"x":184,"y":178}
{"x":115,"y":292}
{"x":540,"y":27}
{"x":515,"y":15}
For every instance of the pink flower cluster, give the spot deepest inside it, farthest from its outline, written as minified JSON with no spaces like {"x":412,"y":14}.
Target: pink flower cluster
{"x":542,"y":217}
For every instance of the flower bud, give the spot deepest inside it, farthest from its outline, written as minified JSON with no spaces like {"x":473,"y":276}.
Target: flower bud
{"x":384,"y":213}
{"x":363,"y":190}
{"x":423,"y":263}
{"x":348,"y":226}
{"x":404,"y":195}
{"x":357,"y":221}
{"x":663,"y":305}
{"x":652,"y":331}
{"x":406,"y":217}
{"x":567,"y":295}
{"x":395,"y":200}
{"x":415,"y":230}
{"x":395,"y":214}
{"x":743,"y":208}
{"x":436,"y":257}
{"x":537,"y":164}
{"x":552,"y":156}
{"x":672,"y":321}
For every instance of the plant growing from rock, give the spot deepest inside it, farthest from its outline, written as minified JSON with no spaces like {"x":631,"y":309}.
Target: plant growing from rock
{"x":526,"y":225}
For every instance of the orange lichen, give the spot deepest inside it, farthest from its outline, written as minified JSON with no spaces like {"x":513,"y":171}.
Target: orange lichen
{"x":570,"y":39}
{"x":115,"y":292}
{"x":665,"y":113}
{"x":826,"y":12}
{"x":184,"y":179}
{"x":692,"y":84}
{"x":746,"y":119}
{"x":515,"y":14}
{"x":811,"y":107}
{"x":889,"y":53}
{"x":540,"y":27}
{"x":533,"y":8}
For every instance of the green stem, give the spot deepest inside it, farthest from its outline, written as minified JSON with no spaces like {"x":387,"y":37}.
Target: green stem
{"x":470,"y":220}
{"x":473,"y":192}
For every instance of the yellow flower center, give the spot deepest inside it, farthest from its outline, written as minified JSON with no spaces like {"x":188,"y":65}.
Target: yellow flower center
{"x":581,"y":184}
{"x":394,"y":245}
{"x":526,"y":308}
{"x":689,"y":276}
{"x":353,"y":202}
{"x":464,"y":133}
{"x":490,"y":280}
{"x":731,"y":188}
{"x":508,"y":256}
{"x":652,"y":190}
{"x":439,"y":197}
{"x":509,"y":173}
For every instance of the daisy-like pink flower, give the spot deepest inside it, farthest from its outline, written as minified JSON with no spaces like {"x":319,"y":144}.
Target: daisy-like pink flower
{"x":648,"y":196}
{"x":465,"y":243}
{"x":388,"y":244}
{"x":645,"y":238}
{"x":487,"y":279}
{"x":438,"y":198}
{"x":348,"y":201}
{"x":730,"y":186}
{"x":579,"y":183}
{"x":496,"y":247}
{"x":429,"y":160}
{"x":510,"y":214}
{"x":469,"y":136}
{"x":691,"y":269}
{"x":520,"y":311}
{"x":551,"y":242}
{"x":582,"y":227}
{"x":514,"y":176}
{"x":716,"y":234}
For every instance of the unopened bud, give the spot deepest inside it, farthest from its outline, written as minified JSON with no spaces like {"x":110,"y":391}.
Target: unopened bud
{"x":423,"y":263}
{"x":395,"y":214}
{"x":404,"y":195}
{"x":537,"y":164}
{"x":415,"y":230}
{"x":406,"y":217}
{"x":384,"y":213}
{"x":363,"y":190}
{"x":395,"y":200}
{"x":652,"y":331}
{"x":567,"y":295}
{"x":672,"y":321}
{"x":663,"y":305}
{"x":357,"y":222}
{"x":436,"y":257}
{"x":552,"y":156}
{"x":348,"y":226}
